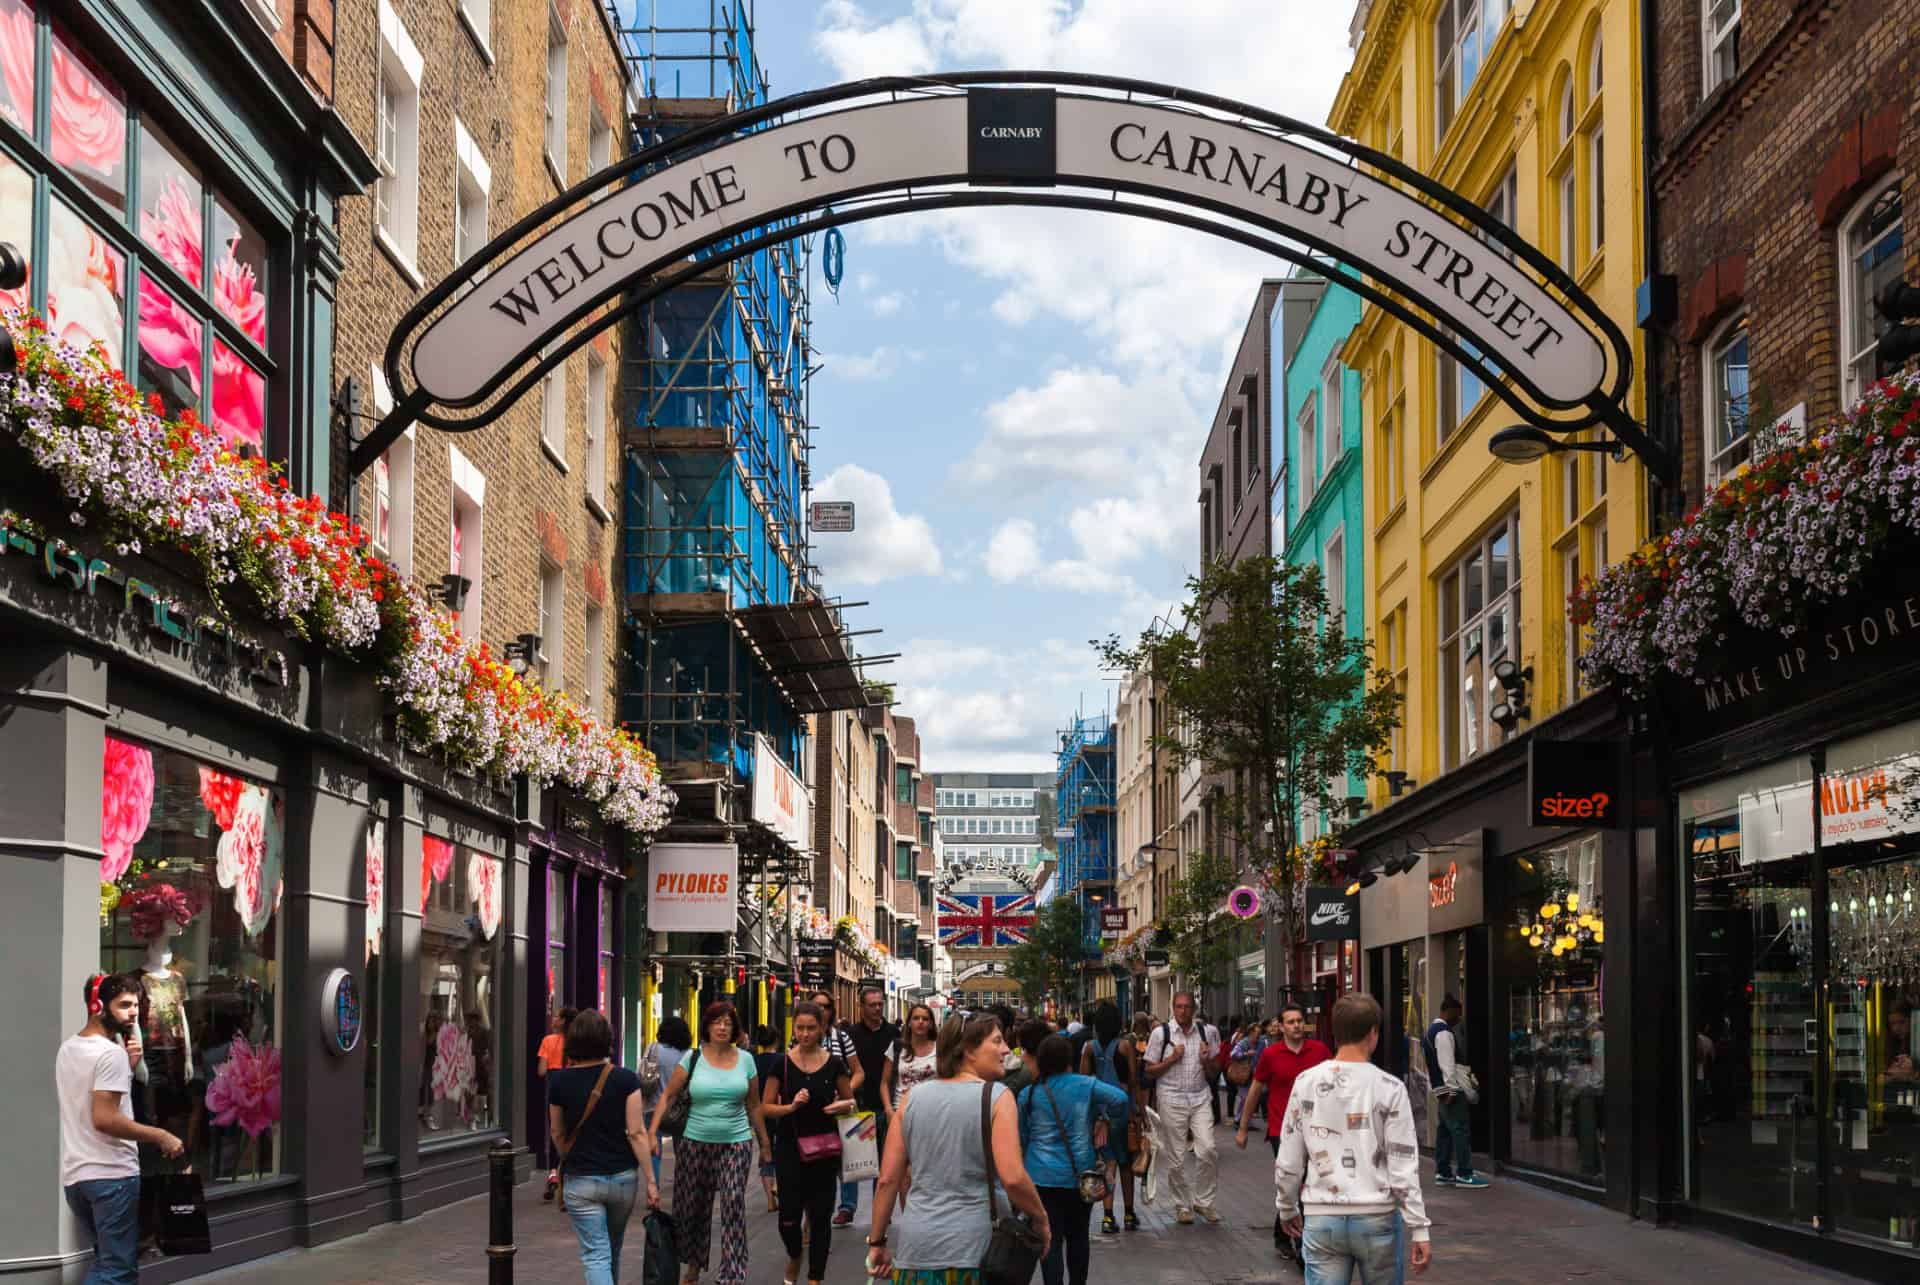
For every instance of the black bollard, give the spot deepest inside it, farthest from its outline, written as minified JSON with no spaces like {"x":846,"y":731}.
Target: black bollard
{"x":500,"y":1213}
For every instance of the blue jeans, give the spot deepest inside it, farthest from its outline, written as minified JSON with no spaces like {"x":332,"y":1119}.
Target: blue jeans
{"x":1453,"y":1139}
{"x":599,"y":1204}
{"x":109,"y":1213}
{"x":1333,"y":1245}
{"x":850,"y":1195}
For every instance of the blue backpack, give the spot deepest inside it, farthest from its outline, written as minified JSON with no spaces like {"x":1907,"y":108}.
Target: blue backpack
{"x":1106,"y":1067}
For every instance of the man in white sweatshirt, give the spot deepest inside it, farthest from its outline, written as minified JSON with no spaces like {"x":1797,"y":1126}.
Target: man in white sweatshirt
{"x":1349,"y":1162}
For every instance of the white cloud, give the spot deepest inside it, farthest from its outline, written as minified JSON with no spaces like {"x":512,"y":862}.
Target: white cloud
{"x":991,"y":708}
{"x":881,"y":363}
{"x":1087,"y":426}
{"x":885,"y":544}
{"x":885,"y":305}
{"x":1014,"y":555}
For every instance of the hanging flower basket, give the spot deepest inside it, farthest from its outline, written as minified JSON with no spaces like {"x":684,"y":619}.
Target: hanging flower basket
{"x":1803,"y":527}
{"x":159,"y":485}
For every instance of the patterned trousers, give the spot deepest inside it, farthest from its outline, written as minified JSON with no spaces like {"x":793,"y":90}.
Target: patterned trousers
{"x":702,"y":1173}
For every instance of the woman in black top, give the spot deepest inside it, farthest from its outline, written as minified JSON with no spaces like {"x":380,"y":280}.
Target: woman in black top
{"x":601,"y":1170}
{"x":803,"y":1091}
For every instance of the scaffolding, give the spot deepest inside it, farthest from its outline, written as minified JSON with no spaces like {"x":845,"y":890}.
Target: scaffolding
{"x":1084,"y":802}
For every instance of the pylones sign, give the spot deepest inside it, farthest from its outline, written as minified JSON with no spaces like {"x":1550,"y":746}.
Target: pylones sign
{"x":693,"y":888}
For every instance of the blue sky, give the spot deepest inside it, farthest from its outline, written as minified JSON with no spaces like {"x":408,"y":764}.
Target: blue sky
{"x":1016,"y":399}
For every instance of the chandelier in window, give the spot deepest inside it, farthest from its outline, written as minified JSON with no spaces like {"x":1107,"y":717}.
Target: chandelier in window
{"x":1563,"y":928}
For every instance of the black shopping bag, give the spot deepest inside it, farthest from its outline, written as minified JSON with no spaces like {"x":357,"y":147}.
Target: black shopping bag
{"x":661,"y":1265}
{"x":180,"y":1213}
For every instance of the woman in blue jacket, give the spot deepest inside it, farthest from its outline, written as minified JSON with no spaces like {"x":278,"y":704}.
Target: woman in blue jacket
{"x":1057,"y":1114}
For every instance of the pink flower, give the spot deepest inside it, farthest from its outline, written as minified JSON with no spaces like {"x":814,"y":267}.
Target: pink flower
{"x":89,"y":120}
{"x":452,"y":1064}
{"x":436,"y":862}
{"x":16,"y":62}
{"x":239,"y":398}
{"x":376,"y":885}
{"x":126,"y":804}
{"x":169,"y":334}
{"x":246,"y":1089}
{"x":84,"y":284}
{"x":237,"y":294}
{"x":172,"y":227}
{"x":248,"y":861}
{"x":221,"y":795}
{"x":483,"y":876}
{"x":151,"y":907}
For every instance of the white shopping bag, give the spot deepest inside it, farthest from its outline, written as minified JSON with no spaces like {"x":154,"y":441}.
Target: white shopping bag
{"x":859,"y":1147}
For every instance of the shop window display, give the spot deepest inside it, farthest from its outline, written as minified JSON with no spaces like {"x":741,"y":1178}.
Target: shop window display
{"x":376,"y":894}
{"x":459,"y":950}
{"x":1556,"y":1032}
{"x":559,"y":888}
{"x":189,"y":902}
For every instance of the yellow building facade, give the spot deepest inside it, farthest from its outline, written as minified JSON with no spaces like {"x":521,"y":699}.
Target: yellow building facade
{"x":1534,"y":112}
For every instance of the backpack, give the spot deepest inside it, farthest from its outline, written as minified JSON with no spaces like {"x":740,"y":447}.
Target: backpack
{"x":650,"y":1070}
{"x":1106,"y":1066}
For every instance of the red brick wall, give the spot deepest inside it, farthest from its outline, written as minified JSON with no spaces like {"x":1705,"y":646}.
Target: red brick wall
{"x":1751,"y":181}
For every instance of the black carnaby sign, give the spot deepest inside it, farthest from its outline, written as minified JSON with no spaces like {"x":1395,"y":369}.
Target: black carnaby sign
{"x":1332,"y":915}
{"x":1577,"y":783}
{"x":1011,"y":136}
{"x":1760,"y":673}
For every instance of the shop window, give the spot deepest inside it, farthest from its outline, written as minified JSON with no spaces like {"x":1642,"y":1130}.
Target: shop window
{"x":459,"y":957}
{"x":594,"y":679}
{"x":1871,"y":257}
{"x":557,"y":95}
{"x":189,"y":902}
{"x":1720,"y":41}
{"x":1726,"y":383}
{"x":1479,"y":625}
{"x":1556,"y":1035}
{"x":605,"y":973}
{"x":375,"y":884}
{"x":596,"y":422}
{"x":559,"y":895}
{"x":144,"y":269}
{"x":473,"y":185}
{"x":396,"y":151}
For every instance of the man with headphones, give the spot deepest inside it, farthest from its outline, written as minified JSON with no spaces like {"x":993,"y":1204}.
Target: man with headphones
{"x":99,"y":1141}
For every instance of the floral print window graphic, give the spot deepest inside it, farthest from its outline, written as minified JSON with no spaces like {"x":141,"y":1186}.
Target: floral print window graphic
{"x":189,"y":899}
{"x":180,"y":279}
{"x":460,"y":922}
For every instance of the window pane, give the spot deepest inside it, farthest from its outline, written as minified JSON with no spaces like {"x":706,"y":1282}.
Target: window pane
{"x":86,"y":284}
{"x":240,"y":272}
{"x":16,"y":62}
{"x":170,"y":339}
{"x":1500,"y":551}
{"x":1476,"y":561}
{"x":1450,"y":605}
{"x":190,"y":895}
{"x":169,"y":204}
{"x":16,"y":211}
{"x":89,"y":123}
{"x":460,"y":927}
{"x":239,"y":399}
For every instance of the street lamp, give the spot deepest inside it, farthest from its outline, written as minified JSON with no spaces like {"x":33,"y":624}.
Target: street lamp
{"x":1523,"y":444}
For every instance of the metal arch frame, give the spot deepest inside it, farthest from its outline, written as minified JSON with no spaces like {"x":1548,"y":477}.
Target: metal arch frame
{"x":1602,"y":406}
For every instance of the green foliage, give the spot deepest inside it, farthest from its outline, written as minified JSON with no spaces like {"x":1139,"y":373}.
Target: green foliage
{"x":1263,"y":687}
{"x":1055,"y":948}
{"x":1196,"y":926}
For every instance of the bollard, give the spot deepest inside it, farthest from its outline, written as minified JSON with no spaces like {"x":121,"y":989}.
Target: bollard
{"x":500,"y":1213}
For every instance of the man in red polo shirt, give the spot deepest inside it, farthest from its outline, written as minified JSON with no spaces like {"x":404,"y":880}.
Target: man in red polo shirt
{"x":1275,"y":1073}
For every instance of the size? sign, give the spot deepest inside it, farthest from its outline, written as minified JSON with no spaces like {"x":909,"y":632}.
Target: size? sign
{"x":1577,"y":783}
{"x":830,"y":515}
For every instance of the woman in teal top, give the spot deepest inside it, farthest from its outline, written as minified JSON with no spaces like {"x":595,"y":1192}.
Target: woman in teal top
{"x":1057,"y":1115}
{"x":714,"y":1156}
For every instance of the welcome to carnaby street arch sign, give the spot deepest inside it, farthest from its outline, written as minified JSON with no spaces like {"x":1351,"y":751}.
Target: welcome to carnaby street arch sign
{"x":479,"y":339}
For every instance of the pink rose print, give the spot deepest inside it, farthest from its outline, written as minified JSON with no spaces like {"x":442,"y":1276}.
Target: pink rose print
{"x":89,"y":120}
{"x":159,"y":909}
{"x":452,"y":1065}
{"x":248,"y":860}
{"x":169,"y":334}
{"x":221,"y":795}
{"x":239,"y":398}
{"x":376,"y":885}
{"x":172,"y":227}
{"x":246,"y":1089}
{"x":16,"y":63}
{"x":436,"y":863}
{"x":126,"y":804}
{"x":483,"y":876}
{"x":85,"y":283}
{"x":239,"y":296}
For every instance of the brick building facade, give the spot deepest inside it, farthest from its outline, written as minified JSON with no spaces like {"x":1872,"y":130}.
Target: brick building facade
{"x":1773,"y":142}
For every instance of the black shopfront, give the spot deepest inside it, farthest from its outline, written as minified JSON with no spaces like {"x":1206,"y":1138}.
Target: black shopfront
{"x":1794,"y":872}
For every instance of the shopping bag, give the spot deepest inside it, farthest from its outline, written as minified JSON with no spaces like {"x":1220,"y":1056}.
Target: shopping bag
{"x":180,"y":1213}
{"x":859,"y":1147}
{"x":661,"y":1265}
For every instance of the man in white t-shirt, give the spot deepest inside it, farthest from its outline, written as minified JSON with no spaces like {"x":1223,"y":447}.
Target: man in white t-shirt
{"x":99,"y":1141}
{"x":1182,"y":1056}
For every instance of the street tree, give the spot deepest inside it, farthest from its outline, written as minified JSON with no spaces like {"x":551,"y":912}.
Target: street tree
{"x":1196,"y":929}
{"x":1265,"y":686}
{"x":1049,"y":961}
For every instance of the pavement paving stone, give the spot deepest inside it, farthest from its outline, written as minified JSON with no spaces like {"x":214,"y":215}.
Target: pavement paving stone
{"x":1509,"y":1234}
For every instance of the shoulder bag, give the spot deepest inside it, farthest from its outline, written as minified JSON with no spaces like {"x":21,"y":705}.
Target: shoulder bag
{"x":1092,"y":1179}
{"x":1015,"y":1248}
{"x":573,"y":1134}
{"x":674,"y":1123}
{"x":814,"y":1146}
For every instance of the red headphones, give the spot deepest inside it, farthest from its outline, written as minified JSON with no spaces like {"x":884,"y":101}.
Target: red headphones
{"x":94,"y":1007}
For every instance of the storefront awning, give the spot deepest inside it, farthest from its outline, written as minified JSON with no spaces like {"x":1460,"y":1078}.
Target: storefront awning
{"x":805,"y":649}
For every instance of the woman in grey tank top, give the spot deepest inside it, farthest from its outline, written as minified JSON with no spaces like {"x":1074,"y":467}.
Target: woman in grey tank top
{"x":935,"y":1155}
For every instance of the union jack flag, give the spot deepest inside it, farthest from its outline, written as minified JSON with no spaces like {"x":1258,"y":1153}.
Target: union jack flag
{"x":985,"y":918}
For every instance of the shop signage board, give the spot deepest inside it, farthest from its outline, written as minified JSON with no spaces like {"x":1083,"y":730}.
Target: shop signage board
{"x":1443,"y":893}
{"x":1113,"y":921}
{"x":1332,"y":915}
{"x":1867,"y":793}
{"x":693,"y":887}
{"x":780,"y":800}
{"x":835,"y":516}
{"x":1577,"y":783}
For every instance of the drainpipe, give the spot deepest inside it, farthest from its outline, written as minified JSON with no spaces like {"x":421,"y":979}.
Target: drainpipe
{"x":1649,"y":230}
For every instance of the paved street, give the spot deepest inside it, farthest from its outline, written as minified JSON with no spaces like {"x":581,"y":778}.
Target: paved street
{"x":1510,"y":1232}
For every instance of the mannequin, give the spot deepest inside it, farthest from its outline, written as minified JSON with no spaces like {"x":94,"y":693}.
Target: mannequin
{"x":169,"y":1040}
